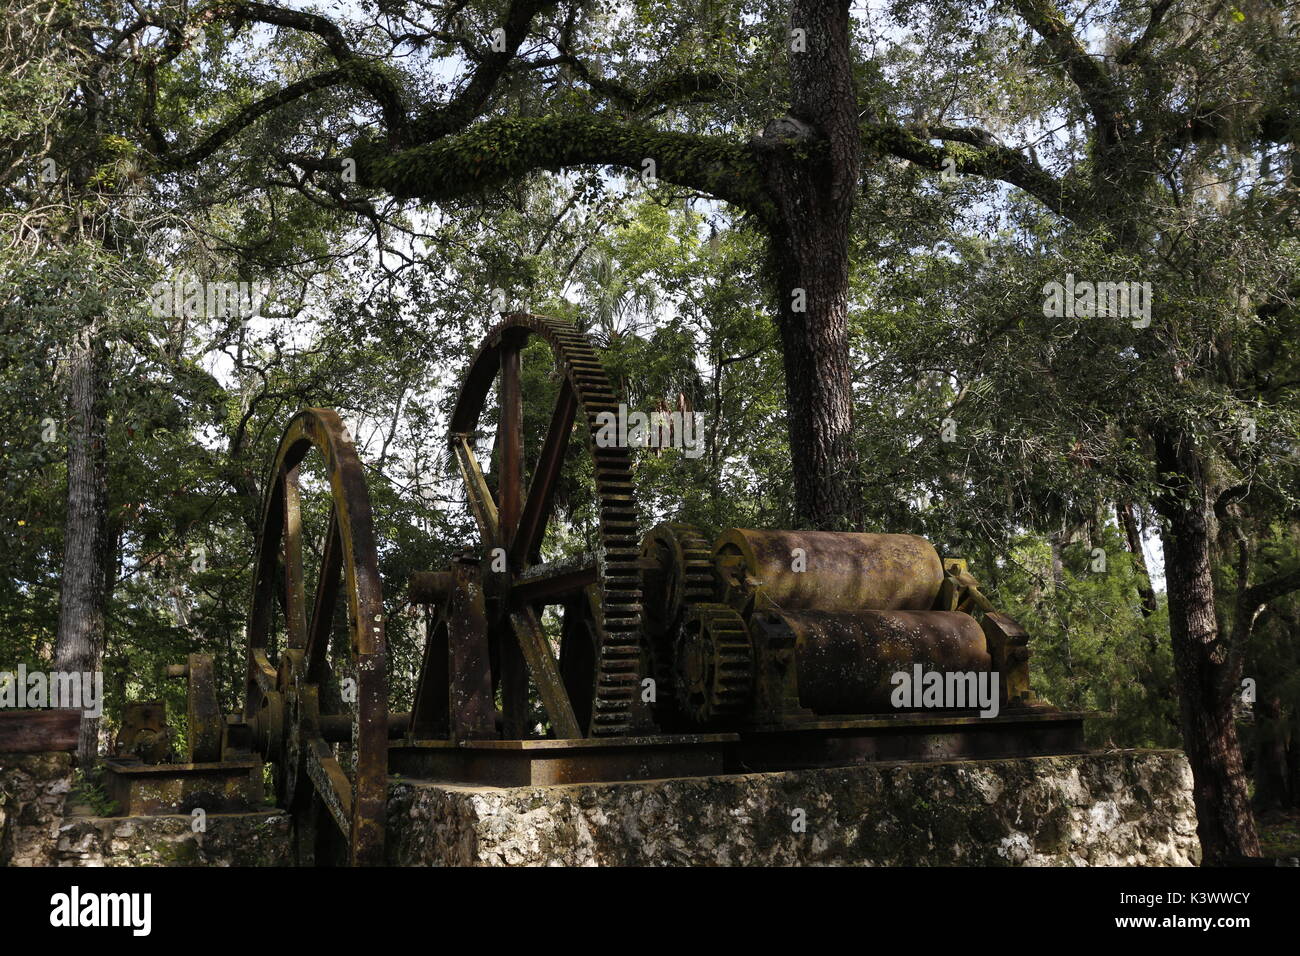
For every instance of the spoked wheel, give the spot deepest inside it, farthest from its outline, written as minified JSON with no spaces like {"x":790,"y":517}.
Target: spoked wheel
{"x":319,"y":708}
{"x":494,"y":600}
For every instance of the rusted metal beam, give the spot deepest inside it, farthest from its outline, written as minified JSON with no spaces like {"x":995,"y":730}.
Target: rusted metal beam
{"x":260,"y":673}
{"x":295,"y":608}
{"x":549,"y":583}
{"x":521,"y":763}
{"x":546,"y":673}
{"x":513,"y":672}
{"x":337,"y":728}
{"x":481,"y":503}
{"x":513,"y":679}
{"x":469,"y":683}
{"x":510,"y":444}
{"x":527,"y":542}
{"x":332,"y":784}
{"x":328,"y":581}
{"x":848,"y":742}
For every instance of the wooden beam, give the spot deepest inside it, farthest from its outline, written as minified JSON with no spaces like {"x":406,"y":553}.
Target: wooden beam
{"x":38,"y":731}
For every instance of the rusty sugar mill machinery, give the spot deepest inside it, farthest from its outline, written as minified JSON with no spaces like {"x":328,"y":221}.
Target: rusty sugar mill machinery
{"x":660,"y":654}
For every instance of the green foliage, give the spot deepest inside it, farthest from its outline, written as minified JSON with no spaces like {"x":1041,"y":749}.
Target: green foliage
{"x":88,"y":789}
{"x":1092,"y":650}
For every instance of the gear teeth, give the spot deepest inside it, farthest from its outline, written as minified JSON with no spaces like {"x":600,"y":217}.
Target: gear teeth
{"x":688,"y":580}
{"x":618,"y":658}
{"x":717,"y":634}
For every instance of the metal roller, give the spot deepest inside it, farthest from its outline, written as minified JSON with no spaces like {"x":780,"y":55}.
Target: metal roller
{"x":845,"y":659}
{"x":835,"y":571}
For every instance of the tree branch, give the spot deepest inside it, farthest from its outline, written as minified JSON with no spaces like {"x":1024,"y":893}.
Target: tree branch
{"x":498,"y":151}
{"x":978,"y":156}
{"x":362,"y":72}
{"x":689,"y":86}
{"x":1238,"y":122}
{"x":445,"y":119}
{"x":1093,"y":82}
{"x":248,"y":115}
{"x":1257,"y":595}
{"x":1136,"y":53}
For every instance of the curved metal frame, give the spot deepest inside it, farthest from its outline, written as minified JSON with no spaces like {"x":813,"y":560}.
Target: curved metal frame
{"x":284,"y":703}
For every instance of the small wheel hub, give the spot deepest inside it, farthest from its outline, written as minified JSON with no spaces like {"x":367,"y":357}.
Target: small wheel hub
{"x":715,"y":664}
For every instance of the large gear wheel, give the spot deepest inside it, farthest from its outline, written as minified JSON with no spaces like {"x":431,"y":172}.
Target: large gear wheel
{"x":677,"y":572}
{"x":586,"y":395}
{"x":714,"y":664}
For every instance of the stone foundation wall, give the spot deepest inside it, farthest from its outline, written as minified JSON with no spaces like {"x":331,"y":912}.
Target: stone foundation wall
{"x":230,"y":839}
{"x":1129,"y":808}
{"x":33,"y":790}
{"x":1124,"y":808}
{"x":36,"y":828}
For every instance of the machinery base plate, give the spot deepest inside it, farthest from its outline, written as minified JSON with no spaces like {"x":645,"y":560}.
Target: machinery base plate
{"x":515,"y":763}
{"x":907,"y":737}
{"x":811,"y":743}
{"x":232,"y":786}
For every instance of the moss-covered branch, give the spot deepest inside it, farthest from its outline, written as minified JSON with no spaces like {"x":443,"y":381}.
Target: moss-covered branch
{"x":1096,"y":86}
{"x":500,"y":151}
{"x":688,"y":86}
{"x":965,"y":152}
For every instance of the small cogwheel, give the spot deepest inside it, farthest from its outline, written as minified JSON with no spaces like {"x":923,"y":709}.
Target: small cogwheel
{"x":713,"y":664}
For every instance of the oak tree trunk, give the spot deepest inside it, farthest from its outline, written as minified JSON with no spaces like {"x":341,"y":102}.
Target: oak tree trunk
{"x":83,"y":590}
{"x":1124,"y":510}
{"x":810,"y":164}
{"x":1225,"y":825}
